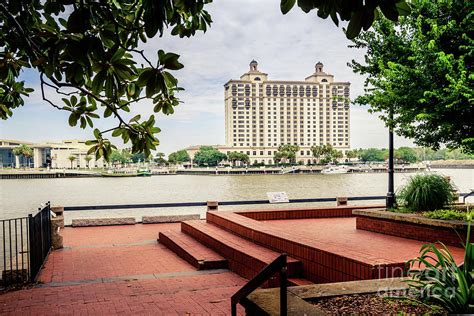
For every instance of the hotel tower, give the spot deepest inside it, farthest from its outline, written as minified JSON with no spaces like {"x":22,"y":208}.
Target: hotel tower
{"x":261,"y":114}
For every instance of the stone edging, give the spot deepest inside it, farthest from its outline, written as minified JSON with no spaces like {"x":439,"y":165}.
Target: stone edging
{"x":265,"y":301}
{"x":85,"y":222}
{"x":169,"y":219}
{"x":410,"y":218}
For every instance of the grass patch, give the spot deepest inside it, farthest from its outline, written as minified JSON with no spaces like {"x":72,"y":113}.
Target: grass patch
{"x":448,"y":215}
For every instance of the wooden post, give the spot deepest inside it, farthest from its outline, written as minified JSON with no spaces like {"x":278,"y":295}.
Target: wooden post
{"x":212,"y":205}
{"x":57,"y":223}
{"x":341,"y":201}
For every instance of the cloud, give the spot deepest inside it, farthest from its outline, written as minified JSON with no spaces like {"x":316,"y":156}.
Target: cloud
{"x":286,"y":47}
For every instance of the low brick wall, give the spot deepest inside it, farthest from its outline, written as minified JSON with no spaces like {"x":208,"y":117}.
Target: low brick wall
{"x":301,"y":213}
{"x":411,"y":226}
{"x":169,"y":219}
{"x":84,"y":222}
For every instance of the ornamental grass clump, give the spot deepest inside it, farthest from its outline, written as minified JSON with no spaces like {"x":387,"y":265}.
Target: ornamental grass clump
{"x":426,"y":192}
{"x":437,"y":278}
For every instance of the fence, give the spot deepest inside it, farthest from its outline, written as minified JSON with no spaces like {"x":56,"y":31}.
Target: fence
{"x":221,"y":203}
{"x":26,"y":242}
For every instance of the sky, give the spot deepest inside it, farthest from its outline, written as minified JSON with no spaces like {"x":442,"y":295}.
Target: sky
{"x":286,"y":47}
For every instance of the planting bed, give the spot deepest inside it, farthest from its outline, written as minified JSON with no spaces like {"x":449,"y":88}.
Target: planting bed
{"x":375,"y":304}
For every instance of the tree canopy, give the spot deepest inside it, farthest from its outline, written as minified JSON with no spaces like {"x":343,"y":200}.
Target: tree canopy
{"x":326,"y":153}
{"x":360,"y":14}
{"x":287,"y":153}
{"x":179,"y":156}
{"x":235,"y":156}
{"x":89,"y":52}
{"x":208,"y":156}
{"x":419,"y":73}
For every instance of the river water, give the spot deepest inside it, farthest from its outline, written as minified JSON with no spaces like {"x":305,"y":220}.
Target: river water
{"x":20,"y":197}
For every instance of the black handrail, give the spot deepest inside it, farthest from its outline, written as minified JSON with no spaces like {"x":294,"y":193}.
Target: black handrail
{"x":193,"y":204}
{"x":187,"y":204}
{"x":277,"y":265}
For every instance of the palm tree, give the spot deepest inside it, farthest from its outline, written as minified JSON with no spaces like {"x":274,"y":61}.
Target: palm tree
{"x":23,"y":150}
{"x":88,"y":160}
{"x":71,"y":159}
{"x":27,"y":153}
{"x":17,"y":152}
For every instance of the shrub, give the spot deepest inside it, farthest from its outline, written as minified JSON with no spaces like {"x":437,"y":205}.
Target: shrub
{"x":448,"y":215}
{"x":427,"y":192}
{"x":441,"y":280}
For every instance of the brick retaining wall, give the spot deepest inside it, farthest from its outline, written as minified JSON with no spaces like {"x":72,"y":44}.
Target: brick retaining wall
{"x":448,"y":236}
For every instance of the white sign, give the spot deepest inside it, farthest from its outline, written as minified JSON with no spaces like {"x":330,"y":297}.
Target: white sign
{"x":278,"y":197}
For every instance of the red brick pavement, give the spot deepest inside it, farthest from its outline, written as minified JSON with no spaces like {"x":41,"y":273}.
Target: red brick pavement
{"x":340,"y":236}
{"x":122,"y":270}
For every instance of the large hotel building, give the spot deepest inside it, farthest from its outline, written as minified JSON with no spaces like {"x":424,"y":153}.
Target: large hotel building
{"x":262,"y":114}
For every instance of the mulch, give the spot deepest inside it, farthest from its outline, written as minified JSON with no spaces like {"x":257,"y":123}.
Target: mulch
{"x":376,"y":304}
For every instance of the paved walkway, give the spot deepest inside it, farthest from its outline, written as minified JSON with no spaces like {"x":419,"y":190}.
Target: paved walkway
{"x":122,"y":270}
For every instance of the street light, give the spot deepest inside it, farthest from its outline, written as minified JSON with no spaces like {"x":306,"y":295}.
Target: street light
{"x":390,"y":201}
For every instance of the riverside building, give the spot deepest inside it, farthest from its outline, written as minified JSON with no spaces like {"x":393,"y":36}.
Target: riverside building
{"x":262,"y":114}
{"x":49,"y":154}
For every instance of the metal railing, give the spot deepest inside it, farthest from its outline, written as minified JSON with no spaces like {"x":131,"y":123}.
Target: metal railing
{"x":187,"y":204}
{"x":25,"y":244}
{"x":276,"y":266}
{"x":40,"y":239}
{"x":221,"y":203}
{"x":15,"y":250}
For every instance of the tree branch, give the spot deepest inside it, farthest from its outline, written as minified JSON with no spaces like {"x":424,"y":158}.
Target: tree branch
{"x":43,"y":83}
{"x":95,"y":97}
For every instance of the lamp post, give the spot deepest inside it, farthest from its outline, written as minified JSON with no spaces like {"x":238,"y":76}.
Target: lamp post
{"x":390,"y":201}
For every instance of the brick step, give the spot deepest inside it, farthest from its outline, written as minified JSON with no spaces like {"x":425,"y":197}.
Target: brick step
{"x":298,"y":282}
{"x":245,"y":258}
{"x":192,"y":251}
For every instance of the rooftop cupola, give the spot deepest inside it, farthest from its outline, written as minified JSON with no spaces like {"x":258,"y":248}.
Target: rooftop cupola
{"x":319,"y":67}
{"x":253,"y":65}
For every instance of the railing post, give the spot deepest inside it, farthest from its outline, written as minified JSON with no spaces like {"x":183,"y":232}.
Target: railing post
{"x":212,"y":205}
{"x":31,"y":237}
{"x":283,"y":289}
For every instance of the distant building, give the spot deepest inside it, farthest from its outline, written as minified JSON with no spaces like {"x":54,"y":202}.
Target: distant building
{"x":262,"y":114}
{"x":52,"y":154}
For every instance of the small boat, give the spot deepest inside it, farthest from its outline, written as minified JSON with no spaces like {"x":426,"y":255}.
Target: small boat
{"x":335,"y":169}
{"x":116,"y":174}
{"x":143,"y":173}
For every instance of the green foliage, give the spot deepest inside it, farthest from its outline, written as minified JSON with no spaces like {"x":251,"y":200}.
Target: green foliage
{"x":373,"y":154}
{"x":442,"y":281}
{"x":179,"y":157}
{"x":360,"y":14}
{"x":88,"y":160}
{"x":446,"y":215}
{"x":208,"y":156}
{"x":71,"y":159}
{"x":286,"y":153}
{"x":235,"y":156}
{"x":160,"y":158}
{"x":138,"y":157}
{"x":419,"y":73}
{"x":88,"y":51}
{"x":443,"y":154}
{"x":326,"y":154}
{"x":405,"y":155}
{"x":426,"y":192}
{"x":23,"y":150}
{"x":351,"y":154}
{"x":120,"y":156}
